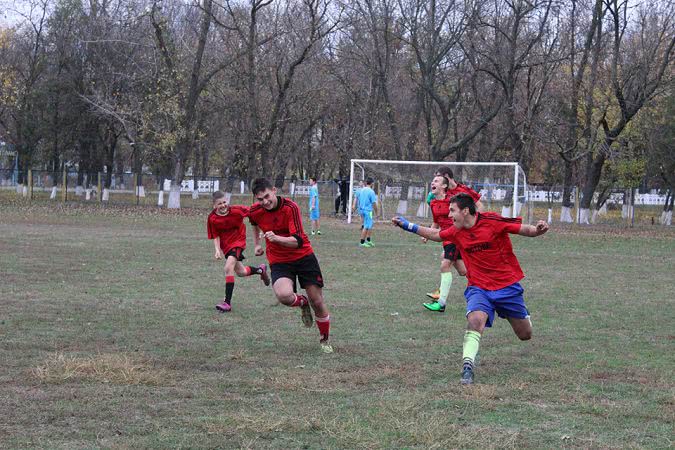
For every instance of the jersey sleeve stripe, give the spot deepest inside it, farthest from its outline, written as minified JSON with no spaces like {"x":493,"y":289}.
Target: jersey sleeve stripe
{"x":504,"y":219}
{"x":295,"y":211}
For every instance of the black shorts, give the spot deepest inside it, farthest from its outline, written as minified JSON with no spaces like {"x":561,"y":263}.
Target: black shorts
{"x":237,"y":252}
{"x":306,"y":270}
{"x":451,"y":252}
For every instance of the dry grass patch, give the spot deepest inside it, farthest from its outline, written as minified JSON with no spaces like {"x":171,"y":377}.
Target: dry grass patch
{"x":103,"y":368}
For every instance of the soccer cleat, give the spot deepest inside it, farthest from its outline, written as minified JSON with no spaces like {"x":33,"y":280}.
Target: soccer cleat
{"x":312,"y":233}
{"x":263,"y":274}
{"x":467,"y":375}
{"x":307,"y":318}
{"x":326,"y":347}
{"x":435,"y":306}
{"x":435,"y":295}
{"x":369,"y":244}
{"x":223,"y":307}
{"x":318,"y":232}
{"x":364,"y":245}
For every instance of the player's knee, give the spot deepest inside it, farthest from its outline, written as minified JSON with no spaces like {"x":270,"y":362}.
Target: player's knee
{"x":476,"y":323}
{"x":285,"y":298}
{"x":525,"y":336}
{"x":461,"y":271}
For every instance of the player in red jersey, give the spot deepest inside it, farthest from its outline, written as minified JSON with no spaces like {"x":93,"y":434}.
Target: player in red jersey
{"x":493,"y":270}
{"x":440,"y":209}
{"x":290,"y":255}
{"x":452,"y":189}
{"x":225,"y":226}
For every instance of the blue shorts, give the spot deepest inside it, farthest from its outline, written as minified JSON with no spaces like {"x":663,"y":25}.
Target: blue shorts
{"x":367,"y":217}
{"x":314,"y":214}
{"x":508,"y":302}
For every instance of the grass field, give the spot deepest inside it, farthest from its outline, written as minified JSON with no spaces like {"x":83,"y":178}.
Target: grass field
{"x":109,"y":339}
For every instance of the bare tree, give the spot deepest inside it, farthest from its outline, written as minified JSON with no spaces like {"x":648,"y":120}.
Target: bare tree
{"x":641,"y":61}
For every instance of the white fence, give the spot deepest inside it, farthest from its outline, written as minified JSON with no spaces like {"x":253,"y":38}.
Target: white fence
{"x":615,"y":198}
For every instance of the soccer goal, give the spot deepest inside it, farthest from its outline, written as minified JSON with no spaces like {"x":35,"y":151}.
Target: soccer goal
{"x":402,"y":186}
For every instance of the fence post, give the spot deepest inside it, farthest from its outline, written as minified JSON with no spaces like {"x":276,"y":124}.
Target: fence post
{"x":136,"y":188}
{"x":64,"y":185}
{"x":99,"y":187}
{"x":30,"y":184}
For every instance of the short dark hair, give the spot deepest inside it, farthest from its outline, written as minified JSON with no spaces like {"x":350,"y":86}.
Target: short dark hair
{"x":260,"y":184}
{"x":464,"y":200}
{"x":369,"y":181}
{"x":312,"y":178}
{"x":445,"y":180}
{"x":446,"y":171}
{"x":217,"y":196}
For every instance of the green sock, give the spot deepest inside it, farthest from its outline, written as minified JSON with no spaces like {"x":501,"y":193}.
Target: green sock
{"x":446,"y":282}
{"x":471,"y":344}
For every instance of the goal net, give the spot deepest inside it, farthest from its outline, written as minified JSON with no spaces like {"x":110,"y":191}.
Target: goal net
{"x":402,"y":186}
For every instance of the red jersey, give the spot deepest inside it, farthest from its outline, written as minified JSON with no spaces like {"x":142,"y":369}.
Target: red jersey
{"x":462,"y":188}
{"x":440,"y":209}
{"x":229,"y":228}
{"x":284,"y":220}
{"x":487,"y":251}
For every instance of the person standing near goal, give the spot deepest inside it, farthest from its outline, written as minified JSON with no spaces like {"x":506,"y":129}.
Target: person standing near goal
{"x":314,"y":213}
{"x":453,"y":189}
{"x":225,"y":225}
{"x":367,"y":203}
{"x":290,"y":255}
{"x":492,"y":269}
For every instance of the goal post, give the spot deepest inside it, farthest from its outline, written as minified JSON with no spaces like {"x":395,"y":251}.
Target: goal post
{"x":402,"y":186}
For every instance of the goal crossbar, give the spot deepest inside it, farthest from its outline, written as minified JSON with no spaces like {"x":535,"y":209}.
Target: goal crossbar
{"x":359,"y":162}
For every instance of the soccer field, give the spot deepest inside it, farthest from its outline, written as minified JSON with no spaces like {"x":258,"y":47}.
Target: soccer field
{"x":109,"y":339}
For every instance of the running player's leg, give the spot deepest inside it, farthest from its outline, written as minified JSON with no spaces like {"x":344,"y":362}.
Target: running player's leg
{"x":444,"y":291}
{"x":283,"y":284}
{"x":315,"y":295}
{"x":479,"y":314}
{"x":459,"y":265}
{"x":246,"y":271}
{"x":230,"y":264}
{"x":522,"y":328}
{"x":311,"y":280}
{"x":510,"y":304}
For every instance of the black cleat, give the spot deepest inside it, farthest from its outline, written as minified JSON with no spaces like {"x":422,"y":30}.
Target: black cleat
{"x":467,"y":375}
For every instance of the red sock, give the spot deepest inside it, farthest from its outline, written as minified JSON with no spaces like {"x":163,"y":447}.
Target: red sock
{"x":247,"y":269}
{"x":323,"y":323}
{"x":300,"y":300}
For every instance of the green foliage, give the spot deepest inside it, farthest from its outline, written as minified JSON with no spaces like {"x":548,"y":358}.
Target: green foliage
{"x":630,"y":172}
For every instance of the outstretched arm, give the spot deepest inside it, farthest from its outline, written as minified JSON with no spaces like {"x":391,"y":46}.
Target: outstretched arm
{"x":534,"y":230}
{"x":425,"y":232}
